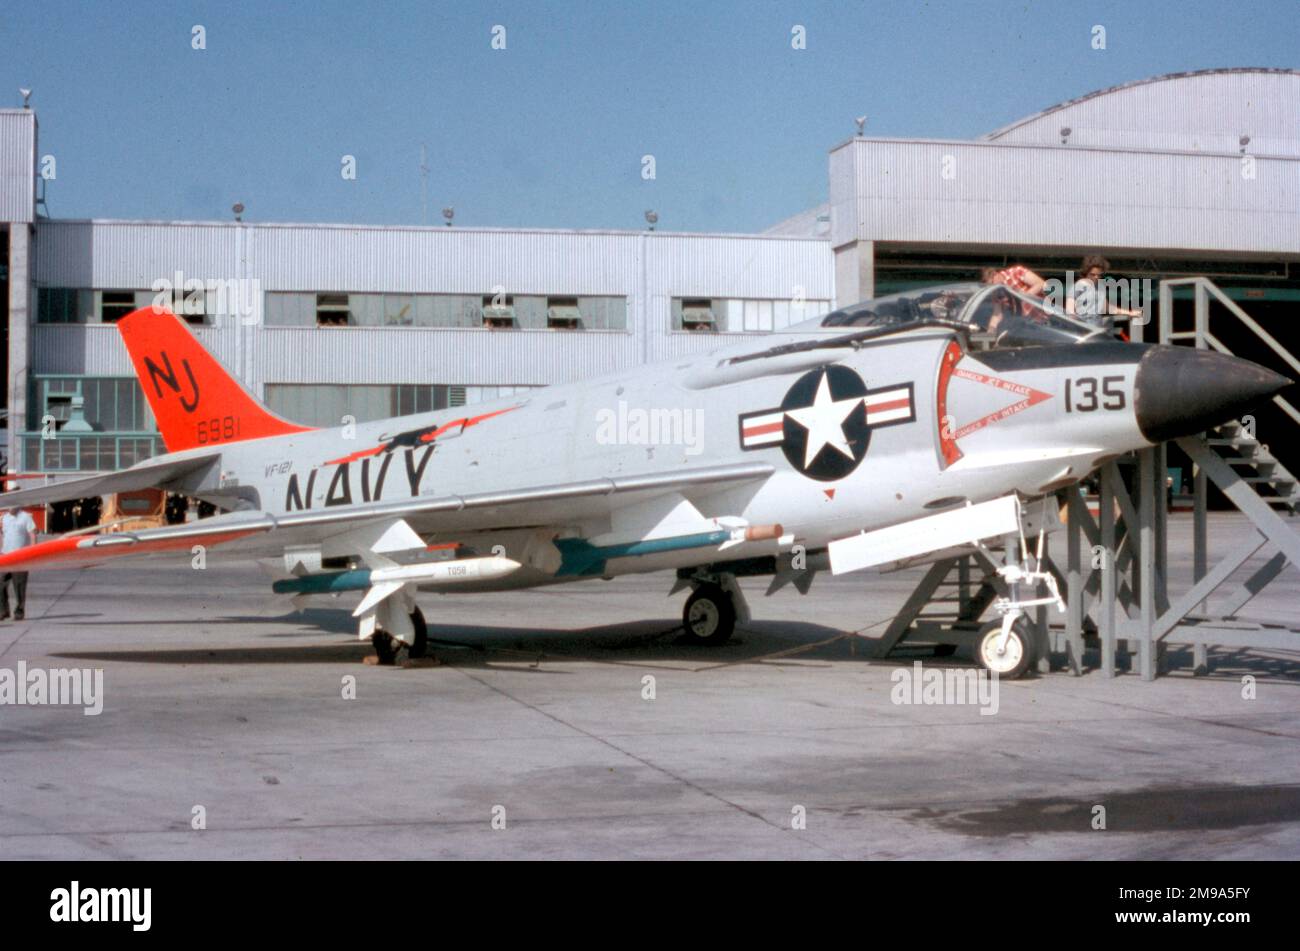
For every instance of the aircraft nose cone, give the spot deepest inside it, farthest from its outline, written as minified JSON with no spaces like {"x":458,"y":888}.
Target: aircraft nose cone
{"x":1179,"y":391}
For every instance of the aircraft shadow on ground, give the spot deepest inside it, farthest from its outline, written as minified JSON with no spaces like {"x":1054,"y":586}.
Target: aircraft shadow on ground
{"x":64,"y":617}
{"x":635,"y":642}
{"x":312,"y":621}
{"x":482,"y":645}
{"x":306,"y":654}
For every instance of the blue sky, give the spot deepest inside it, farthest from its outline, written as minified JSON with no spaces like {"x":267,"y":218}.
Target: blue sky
{"x":550,"y":131}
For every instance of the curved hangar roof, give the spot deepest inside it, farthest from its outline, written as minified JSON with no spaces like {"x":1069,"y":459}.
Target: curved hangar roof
{"x":1205,"y":111}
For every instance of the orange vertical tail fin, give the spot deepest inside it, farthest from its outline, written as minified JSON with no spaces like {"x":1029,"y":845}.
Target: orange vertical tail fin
{"x":194,"y":399}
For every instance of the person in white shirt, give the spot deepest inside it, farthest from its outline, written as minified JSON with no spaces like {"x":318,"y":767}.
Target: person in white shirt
{"x":1088,"y":302}
{"x":19,"y":531}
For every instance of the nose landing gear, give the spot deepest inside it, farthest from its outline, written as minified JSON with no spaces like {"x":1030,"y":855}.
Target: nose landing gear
{"x":1007,"y":653}
{"x":1006,"y":646}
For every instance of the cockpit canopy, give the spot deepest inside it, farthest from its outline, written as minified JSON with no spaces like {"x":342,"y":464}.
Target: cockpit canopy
{"x":1002,"y":316}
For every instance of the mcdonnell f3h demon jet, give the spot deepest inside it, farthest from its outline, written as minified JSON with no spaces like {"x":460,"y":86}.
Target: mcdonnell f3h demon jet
{"x":875,"y":434}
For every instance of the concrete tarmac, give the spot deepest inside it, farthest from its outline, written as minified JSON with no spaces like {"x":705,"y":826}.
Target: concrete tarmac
{"x":536,"y":736}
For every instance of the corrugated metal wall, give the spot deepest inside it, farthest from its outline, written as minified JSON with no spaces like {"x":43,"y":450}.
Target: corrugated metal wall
{"x":97,"y":349}
{"x":725,"y":266}
{"x":1055,"y":195}
{"x":843,"y":194}
{"x":446,"y":260}
{"x":130,"y":255}
{"x":435,"y":355}
{"x":17,"y":165}
{"x":646,"y":268}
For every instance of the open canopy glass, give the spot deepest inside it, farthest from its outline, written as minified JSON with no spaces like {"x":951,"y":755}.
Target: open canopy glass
{"x":1007,"y":318}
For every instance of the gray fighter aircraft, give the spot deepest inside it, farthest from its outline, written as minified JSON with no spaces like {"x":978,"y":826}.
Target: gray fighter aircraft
{"x":881,"y":432}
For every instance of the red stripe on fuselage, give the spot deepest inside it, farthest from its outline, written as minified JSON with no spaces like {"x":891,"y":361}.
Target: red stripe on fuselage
{"x":464,"y":422}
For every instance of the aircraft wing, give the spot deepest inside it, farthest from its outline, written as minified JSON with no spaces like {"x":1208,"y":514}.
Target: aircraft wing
{"x":146,"y":475}
{"x":261,"y":534}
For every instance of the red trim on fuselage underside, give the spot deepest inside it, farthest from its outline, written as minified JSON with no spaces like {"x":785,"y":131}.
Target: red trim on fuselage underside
{"x":77,"y":549}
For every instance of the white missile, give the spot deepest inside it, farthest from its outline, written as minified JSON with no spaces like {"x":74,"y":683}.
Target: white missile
{"x":487,"y":568}
{"x":384,"y":582}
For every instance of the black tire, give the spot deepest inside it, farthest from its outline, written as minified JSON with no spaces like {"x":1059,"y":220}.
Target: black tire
{"x":1019,"y":656}
{"x":709,"y":616}
{"x":420,"y":645}
{"x":385,"y":648}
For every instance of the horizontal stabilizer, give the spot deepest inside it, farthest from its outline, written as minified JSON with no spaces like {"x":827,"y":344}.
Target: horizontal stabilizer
{"x":147,"y":475}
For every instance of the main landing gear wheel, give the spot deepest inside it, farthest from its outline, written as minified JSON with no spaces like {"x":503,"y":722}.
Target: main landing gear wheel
{"x":1012,"y":661}
{"x":709,"y":616}
{"x":387,"y":647}
{"x":420,"y":646}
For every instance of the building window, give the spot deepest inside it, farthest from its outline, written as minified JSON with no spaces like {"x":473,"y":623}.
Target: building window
{"x":733,"y":315}
{"x":332,"y":310}
{"x":399,"y":310}
{"x":114,"y":305}
{"x":498,"y":312}
{"x":697,"y":315}
{"x":104,"y":404}
{"x":448,"y":311}
{"x":56,"y":305}
{"x":87,"y":424}
{"x":289,"y":310}
{"x":191,"y":306}
{"x":89,"y":453}
{"x":65,"y":305}
{"x":562,"y":313}
{"x":411,"y":399}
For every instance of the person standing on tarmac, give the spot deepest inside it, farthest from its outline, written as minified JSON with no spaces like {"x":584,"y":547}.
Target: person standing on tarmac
{"x":19,"y":531}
